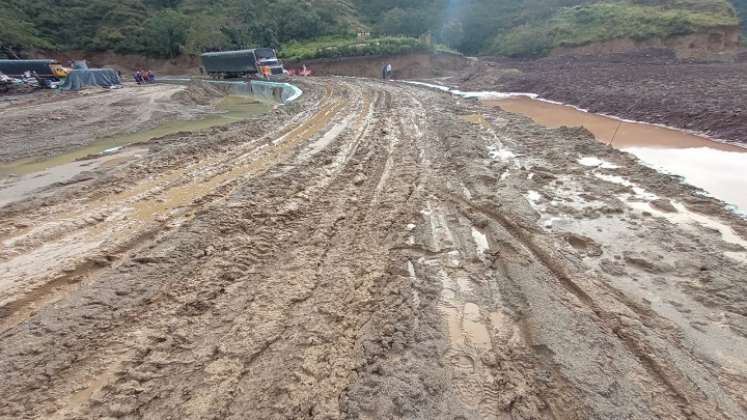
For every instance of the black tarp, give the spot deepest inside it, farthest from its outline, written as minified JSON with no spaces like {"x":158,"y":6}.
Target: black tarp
{"x":240,"y":62}
{"x":80,"y":78}
{"x":16,"y":68}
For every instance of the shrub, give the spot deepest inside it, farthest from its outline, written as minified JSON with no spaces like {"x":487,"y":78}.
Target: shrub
{"x":582,"y":25}
{"x":342,"y":46}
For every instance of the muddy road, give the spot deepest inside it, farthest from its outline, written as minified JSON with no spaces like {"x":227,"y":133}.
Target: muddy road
{"x":373,"y":251}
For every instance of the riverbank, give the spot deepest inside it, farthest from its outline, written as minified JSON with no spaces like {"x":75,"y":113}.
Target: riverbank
{"x":649,"y":86}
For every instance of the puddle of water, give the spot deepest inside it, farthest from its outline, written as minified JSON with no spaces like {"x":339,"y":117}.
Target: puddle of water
{"x":231,"y":109}
{"x":500,"y":153}
{"x":594,"y":161}
{"x":25,"y":185}
{"x":718,"y":168}
{"x":629,"y":134}
{"x":639,"y":192}
{"x":722,"y":174}
{"x":481,"y":240}
{"x":534,"y":197}
{"x":474,"y":328}
{"x":687,"y":217}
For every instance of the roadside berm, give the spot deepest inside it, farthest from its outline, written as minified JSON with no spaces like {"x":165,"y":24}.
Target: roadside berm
{"x":374,"y":250}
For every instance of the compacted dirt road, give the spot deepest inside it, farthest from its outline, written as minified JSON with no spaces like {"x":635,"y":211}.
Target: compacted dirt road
{"x":373,"y":251}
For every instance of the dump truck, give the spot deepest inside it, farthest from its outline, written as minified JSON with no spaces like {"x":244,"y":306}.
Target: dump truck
{"x":242,"y":63}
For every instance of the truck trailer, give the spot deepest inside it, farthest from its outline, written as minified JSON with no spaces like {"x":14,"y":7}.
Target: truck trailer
{"x":16,"y":68}
{"x":242,"y":63}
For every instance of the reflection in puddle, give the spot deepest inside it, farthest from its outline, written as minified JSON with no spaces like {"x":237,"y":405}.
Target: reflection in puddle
{"x":718,"y":168}
{"x":722,"y":174}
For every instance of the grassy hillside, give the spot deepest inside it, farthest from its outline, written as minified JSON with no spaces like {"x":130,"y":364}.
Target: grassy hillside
{"x":586,"y":24}
{"x":322,"y":28}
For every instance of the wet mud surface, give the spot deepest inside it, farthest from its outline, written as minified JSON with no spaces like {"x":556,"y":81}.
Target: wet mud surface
{"x":373,"y":251}
{"x":706,"y":98}
{"x":49,"y":123}
{"x":714,"y":166}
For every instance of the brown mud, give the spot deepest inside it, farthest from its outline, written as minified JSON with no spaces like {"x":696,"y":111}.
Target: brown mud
{"x":373,"y":251}
{"x":648,"y":85}
{"x":49,"y":123}
{"x":714,"y":166}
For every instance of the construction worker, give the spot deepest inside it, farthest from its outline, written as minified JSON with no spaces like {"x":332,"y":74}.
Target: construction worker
{"x":386,"y":72}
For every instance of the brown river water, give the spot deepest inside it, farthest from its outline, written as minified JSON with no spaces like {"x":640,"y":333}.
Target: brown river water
{"x":718,"y":168}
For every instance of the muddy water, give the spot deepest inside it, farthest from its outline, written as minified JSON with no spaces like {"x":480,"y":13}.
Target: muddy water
{"x":717,"y":168}
{"x":230,"y":109}
{"x":32,"y":175}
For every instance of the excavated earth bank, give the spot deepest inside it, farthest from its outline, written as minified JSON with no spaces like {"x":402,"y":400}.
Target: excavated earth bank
{"x":373,"y":251}
{"x":649,"y":85}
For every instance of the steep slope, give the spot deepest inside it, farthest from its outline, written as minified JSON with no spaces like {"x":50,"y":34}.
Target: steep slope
{"x":167,"y":28}
{"x":537,"y":27}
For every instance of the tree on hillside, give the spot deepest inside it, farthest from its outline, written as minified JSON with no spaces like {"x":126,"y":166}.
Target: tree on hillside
{"x":295,"y":20}
{"x":165,"y":34}
{"x":16,"y":35}
{"x":741,"y":7}
{"x":409,"y":22}
{"x":207,"y":33}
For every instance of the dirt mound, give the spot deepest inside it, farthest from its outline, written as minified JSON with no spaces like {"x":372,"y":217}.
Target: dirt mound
{"x":50,"y":123}
{"x":406,"y":66}
{"x":198,"y":93}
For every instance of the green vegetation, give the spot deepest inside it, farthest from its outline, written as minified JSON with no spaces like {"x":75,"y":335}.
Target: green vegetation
{"x":342,"y":46}
{"x":323,"y":28}
{"x":741,"y":7}
{"x":582,"y":25}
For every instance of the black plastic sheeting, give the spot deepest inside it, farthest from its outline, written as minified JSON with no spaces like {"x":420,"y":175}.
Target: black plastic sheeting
{"x":80,"y":78}
{"x":16,"y":68}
